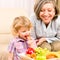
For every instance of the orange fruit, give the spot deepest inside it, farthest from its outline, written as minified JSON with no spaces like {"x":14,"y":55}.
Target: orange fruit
{"x":51,"y":55}
{"x":33,"y":55}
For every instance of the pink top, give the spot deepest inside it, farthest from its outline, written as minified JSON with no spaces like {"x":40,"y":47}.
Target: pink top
{"x":18,"y":46}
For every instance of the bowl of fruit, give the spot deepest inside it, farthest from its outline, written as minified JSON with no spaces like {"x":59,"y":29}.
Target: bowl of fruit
{"x":40,"y":54}
{"x":37,"y":53}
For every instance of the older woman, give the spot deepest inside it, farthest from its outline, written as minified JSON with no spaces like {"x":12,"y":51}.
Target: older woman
{"x":46,"y":25}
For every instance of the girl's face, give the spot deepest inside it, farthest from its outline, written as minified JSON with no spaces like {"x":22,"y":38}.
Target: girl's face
{"x":23,"y":32}
{"x":47,"y":13}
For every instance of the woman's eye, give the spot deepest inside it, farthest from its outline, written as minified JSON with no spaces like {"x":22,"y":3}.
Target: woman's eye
{"x":49,"y":10}
{"x":42,"y":10}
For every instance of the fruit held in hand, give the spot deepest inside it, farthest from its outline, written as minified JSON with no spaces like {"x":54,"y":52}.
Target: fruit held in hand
{"x":30,"y":51}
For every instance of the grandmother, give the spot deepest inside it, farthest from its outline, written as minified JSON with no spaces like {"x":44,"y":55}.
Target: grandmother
{"x":46,"y":25}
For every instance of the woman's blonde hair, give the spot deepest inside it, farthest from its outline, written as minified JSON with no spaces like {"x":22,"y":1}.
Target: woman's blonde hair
{"x":19,"y":22}
{"x":38,"y":5}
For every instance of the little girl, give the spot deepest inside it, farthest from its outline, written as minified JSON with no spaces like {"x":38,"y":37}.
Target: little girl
{"x":22,"y":41}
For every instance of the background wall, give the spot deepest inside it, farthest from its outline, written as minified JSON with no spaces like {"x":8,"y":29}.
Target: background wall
{"x":26,"y":4}
{"x":59,"y":5}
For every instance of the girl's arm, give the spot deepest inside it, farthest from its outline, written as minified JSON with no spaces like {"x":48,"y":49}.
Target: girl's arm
{"x":31,"y":42}
{"x":10,"y":56}
{"x":10,"y":50}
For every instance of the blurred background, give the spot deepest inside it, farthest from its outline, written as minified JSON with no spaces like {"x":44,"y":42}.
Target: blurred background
{"x":9,"y":9}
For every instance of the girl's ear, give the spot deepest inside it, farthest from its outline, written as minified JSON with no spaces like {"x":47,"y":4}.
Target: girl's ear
{"x":17,"y":34}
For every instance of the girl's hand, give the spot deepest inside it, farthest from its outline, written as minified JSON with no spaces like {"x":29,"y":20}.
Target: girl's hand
{"x":31,"y":42}
{"x":29,"y":38}
{"x":40,"y":41}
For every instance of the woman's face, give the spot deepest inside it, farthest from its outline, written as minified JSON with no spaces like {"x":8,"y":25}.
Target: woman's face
{"x":47,"y":13}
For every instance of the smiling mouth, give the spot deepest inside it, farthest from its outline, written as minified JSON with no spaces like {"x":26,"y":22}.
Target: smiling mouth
{"x":45,"y":18}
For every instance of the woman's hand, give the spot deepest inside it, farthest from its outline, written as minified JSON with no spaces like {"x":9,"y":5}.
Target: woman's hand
{"x":40,"y":41}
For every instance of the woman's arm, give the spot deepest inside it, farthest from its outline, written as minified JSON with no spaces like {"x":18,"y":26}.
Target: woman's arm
{"x":58,"y":32}
{"x":40,"y":41}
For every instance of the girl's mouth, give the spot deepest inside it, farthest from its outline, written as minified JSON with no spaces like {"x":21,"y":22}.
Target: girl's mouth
{"x":26,"y":37}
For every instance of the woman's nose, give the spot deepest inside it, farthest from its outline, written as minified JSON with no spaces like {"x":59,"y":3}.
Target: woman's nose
{"x":46,"y":13}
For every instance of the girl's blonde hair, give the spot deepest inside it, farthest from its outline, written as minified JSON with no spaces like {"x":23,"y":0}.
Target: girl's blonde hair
{"x":19,"y":22}
{"x":38,"y":5}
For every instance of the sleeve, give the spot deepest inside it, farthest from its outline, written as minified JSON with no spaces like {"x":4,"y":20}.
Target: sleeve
{"x":57,"y":37}
{"x":58,"y":29}
{"x":50,"y":40}
{"x":11,"y":47}
{"x":33,"y":30}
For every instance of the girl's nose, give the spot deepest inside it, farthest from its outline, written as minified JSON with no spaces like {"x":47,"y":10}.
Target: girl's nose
{"x":27,"y":33}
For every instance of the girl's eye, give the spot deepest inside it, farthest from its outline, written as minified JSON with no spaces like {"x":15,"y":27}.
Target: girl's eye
{"x":23,"y":31}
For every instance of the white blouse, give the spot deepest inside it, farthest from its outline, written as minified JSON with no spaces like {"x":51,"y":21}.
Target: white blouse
{"x":51,"y":33}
